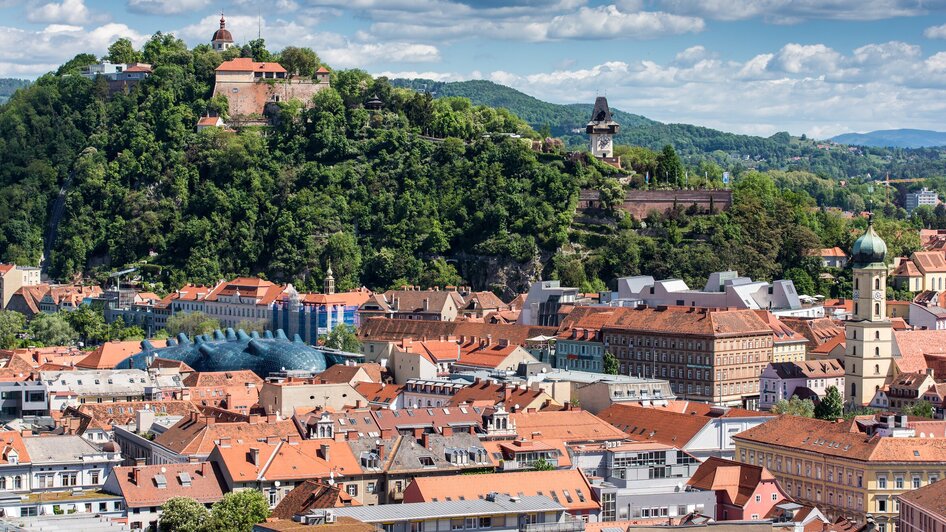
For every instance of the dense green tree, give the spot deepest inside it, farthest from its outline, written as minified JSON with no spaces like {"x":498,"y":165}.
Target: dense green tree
{"x":440,"y":273}
{"x":12,"y":324}
{"x":542,"y":465}
{"x":669,"y":167}
{"x":183,"y":514}
{"x":795,"y":407}
{"x":344,"y":338}
{"x":51,"y":329}
{"x":89,"y":323}
{"x":831,"y":406}
{"x":299,"y":61}
{"x":611,"y":366}
{"x":122,"y":52}
{"x":921,"y":409}
{"x":249,"y":326}
{"x":191,"y":324}
{"x":238,"y":511}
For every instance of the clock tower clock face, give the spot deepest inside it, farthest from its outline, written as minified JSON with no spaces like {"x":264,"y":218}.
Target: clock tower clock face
{"x":878,"y":295}
{"x":856,"y":294}
{"x":604,"y":143}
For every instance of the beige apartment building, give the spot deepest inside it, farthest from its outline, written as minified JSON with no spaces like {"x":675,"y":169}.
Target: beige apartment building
{"x":707,"y":355}
{"x":13,"y":277}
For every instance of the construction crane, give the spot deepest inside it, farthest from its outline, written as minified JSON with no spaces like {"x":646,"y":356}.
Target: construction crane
{"x":886,"y":182}
{"x":118,"y":278}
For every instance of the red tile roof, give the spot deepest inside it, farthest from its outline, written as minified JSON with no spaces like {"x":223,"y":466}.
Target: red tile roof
{"x":109,"y":354}
{"x":205,"y":484}
{"x":311,"y":495}
{"x":837,"y":439}
{"x":930,"y":261}
{"x":907,"y":269}
{"x":568,"y":487}
{"x":379,"y":392}
{"x":828,"y":346}
{"x":381,"y":329}
{"x":913,"y":345}
{"x":738,"y":480}
{"x":246,"y":64}
{"x":570,"y":425}
{"x":489,"y":393}
{"x":197,"y":437}
{"x":689,"y":321}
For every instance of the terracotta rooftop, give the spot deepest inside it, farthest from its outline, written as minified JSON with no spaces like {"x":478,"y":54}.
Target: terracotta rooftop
{"x":738,"y":480}
{"x":197,"y":435}
{"x":153,"y":485}
{"x":341,"y":524}
{"x":930,"y":498}
{"x":837,"y":439}
{"x":810,"y":369}
{"x":109,"y":354}
{"x":12,"y":441}
{"x":311,"y":495}
{"x":379,"y":392}
{"x":907,"y":269}
{"x":690,"y":321}
{"x":911,"y":346}
{"x":830,"y":345}
{"x":435,"y":351}
{"x":484,"y":392}
{"x":263,"y":292}
{"x":816,"y":330}
{"x":276,"y":459}
{"x":381,"y":329}
{"x":344,"y":373}
{"x":568,"y":487}
{"x":572,"y":426}
{"x":930,"y":261}
{"x":104,"y":415}
{"x":212,"y":379}
{"x":246,"y":64}
{"x":478,"y":301}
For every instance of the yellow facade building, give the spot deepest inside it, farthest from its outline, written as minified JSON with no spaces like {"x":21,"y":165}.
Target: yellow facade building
{"x":846,"y":468}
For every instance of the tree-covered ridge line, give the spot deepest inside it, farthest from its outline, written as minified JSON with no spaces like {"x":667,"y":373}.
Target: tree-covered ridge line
{"x":368,"y":193}
{"x":695,"y":143}
{"x":10,"y":85}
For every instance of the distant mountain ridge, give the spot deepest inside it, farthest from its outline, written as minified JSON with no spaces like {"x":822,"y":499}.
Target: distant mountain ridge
{"x":894,"y":138}
{"x":780,"y":151}
{"x":10,"y":85}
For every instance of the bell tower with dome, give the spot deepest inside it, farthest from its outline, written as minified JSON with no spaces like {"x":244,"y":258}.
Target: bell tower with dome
{"x":868,"y":358}
{"x":222,"y":40}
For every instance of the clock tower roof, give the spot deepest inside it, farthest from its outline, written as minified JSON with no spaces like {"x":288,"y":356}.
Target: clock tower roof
{"x":869,"y":249}
{"x":601,"y":120}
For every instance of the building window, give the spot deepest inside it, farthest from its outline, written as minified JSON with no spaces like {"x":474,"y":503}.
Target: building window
{"x":916,"y":482}
{"x":881,"y":483}
{"x":881,"y":505}
{"x":352,"y":489}
{"x":898,"y":483}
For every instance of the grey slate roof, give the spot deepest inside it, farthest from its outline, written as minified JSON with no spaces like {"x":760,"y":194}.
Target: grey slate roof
{"x":446,"y":509}
{"x":58,"y":448}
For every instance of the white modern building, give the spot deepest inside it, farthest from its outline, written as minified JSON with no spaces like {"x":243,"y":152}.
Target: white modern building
{"x":923,"y":197}
{"x":723,"y":290}
{"x":544,"y":300}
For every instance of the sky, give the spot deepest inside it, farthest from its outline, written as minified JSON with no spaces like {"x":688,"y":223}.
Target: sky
{"x":815,"y":67}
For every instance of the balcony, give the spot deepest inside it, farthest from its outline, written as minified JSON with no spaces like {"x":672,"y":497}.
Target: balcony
{"x":568,"y":524}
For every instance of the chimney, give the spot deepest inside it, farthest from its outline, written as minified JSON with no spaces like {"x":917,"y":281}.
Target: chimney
{"x":135,"y":475}
{"x":339,"y":436}
{"x":324,"y":452}
{"x":350,"y":435}
{"x":419,"y":432}
{"x":254,"y":456}
{"x":426,"y":304}
{"x":425,"y":440}
{"x":210,"y":420}
{"x":447,"y":430}
{"x":224,"y":442}
{"x":489,"y":339}
{"x":203,"y":469}
{"x":270,"y":418}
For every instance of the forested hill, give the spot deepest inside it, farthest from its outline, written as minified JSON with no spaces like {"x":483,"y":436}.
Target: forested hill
{"x":9,"y":85}
{"x":901,"y":138}
{"x":732,"y":151}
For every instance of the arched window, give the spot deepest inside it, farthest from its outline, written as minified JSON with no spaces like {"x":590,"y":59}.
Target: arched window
{"x":854,"y":350}
{"x":3,"y":483}
{"x":876,"y":369}
{"x":855,"y":283}
{"x":18,"y":482}
{"x":876,"y":335}
{"x":877,"y":309}
{"x":877,"y":351}
{"x":853,"y":390}
{"x":877,"y":283}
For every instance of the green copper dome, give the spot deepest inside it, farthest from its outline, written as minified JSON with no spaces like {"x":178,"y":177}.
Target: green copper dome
{"x":869,"y":248}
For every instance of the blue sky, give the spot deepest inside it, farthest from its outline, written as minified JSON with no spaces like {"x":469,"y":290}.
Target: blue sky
{"x":819,"y":67}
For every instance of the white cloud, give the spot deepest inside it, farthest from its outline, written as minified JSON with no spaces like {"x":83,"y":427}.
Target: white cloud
{"x":166,"y":7}
{"x":935,"y":32}
{"x":32,"y":53}
{"x":67,"y":12}
{"x":609,"y":22}
{"x":362,"y":54}
{"x":794,"y":11}
{"x":810,"y":89}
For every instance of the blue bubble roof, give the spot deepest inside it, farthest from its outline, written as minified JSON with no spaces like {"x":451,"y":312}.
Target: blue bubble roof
{"x":235,"y":350}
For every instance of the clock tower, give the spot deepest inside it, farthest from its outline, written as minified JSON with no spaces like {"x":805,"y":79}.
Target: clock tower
{"x":868,"y":357}
{"x":601,"y":129}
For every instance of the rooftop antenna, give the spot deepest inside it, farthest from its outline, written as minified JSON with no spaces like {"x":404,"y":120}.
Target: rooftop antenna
{"x":259,"y":24}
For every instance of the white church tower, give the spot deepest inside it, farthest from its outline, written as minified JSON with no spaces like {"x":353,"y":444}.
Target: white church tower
{"x":222,"y":40}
